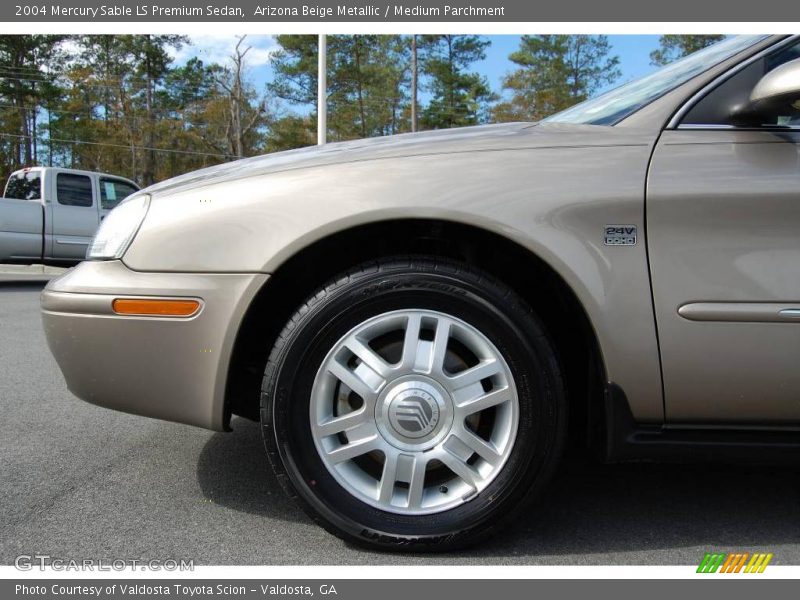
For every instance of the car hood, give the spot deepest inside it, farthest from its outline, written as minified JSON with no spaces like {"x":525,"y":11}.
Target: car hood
{"x":444,"y":141}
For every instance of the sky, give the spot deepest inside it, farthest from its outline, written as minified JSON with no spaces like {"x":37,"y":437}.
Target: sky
{"x":633,"y":51}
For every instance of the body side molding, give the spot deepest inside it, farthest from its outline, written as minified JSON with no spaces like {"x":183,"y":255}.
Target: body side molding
{"x":742,"y":312}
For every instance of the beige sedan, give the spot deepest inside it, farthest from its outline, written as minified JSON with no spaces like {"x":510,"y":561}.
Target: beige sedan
{"x":423,"y":323}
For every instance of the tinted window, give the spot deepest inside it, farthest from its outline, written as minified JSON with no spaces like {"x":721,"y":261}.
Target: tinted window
{"x":24,"y":186}
{"x":733,"y":94}
{"x":74,"y":190}
{"x":114,"y":191}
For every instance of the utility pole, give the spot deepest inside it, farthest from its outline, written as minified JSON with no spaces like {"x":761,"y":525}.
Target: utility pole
{"x":49,"y":139}
{"x":414,"y":82}
{"x":148,"y":170}
{"x":322,"y":91}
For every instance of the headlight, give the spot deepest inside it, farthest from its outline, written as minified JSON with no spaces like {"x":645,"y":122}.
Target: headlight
{"x":118,"y":229}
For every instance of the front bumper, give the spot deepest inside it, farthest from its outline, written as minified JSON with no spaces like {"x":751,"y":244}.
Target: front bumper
{"x":163,"y":367}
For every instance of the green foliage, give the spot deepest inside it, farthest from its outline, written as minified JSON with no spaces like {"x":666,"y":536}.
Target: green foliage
{"x":24,"y":84}
{"x":460,"y":97}
{"x":367,"y":81}
{"x":291,"y":131}
{"x":117,"y":103}
{"x":555,"y":72}
{"x":673,"y":47}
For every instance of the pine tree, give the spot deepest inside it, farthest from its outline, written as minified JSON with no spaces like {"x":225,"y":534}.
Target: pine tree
{"x":152,"y":59}
{"x":673,"y":47}
{"x":555,"y":72}
{"x":367,"y":79}
{"x":459,"y":96}
{"x":25,"y":85}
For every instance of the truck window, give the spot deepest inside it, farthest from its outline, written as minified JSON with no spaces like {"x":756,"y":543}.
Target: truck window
{"x":24,"y":185}
{"x":114,"y":191}
{"x":73,"y":190}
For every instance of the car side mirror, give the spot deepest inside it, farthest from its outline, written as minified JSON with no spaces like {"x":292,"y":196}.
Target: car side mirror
{"x":776,"y":93}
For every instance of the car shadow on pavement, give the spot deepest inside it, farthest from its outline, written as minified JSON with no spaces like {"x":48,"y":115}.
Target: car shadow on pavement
{"x":589,"y":508}
{"x":596,"y":508}
{"x":233,"y":471}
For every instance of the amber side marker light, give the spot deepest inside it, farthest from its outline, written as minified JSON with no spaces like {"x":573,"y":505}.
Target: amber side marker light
{"x":155,"y":308}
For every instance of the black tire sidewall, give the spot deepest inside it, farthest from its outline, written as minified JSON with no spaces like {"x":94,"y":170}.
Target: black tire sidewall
{"x":475,"y":300}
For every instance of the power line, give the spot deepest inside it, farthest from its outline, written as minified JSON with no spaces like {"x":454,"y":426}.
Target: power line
{"x":130,"y":89}
{"x":53,"y":73}
{"x":372,"y":102}
{"x":29,"y":69}
{"x":170,"y":114}
{"x":133,"y":83}
{"x":47,"y":109}
{"x":129,"y":92}
{"x":123,"y":146}
{"x":132,"y":86}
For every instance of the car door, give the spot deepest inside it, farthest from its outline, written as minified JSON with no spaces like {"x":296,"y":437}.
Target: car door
{"x":75,"y":215}
{"x":22,"y":217}
{"x":723,"y":228}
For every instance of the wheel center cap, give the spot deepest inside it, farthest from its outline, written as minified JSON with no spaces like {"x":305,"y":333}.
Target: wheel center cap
{"x":413,"y":413}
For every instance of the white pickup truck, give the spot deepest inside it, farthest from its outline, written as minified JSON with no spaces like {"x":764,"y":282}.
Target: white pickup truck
{"x":49,"y":214}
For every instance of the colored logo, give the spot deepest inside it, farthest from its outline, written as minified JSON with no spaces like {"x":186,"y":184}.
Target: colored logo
{"x":740,"y":562}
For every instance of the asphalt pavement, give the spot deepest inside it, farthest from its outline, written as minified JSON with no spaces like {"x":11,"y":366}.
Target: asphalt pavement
{"x":79,"y":481}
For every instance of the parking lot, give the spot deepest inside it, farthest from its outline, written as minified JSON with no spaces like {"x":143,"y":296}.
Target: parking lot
{"x":81,"y":481}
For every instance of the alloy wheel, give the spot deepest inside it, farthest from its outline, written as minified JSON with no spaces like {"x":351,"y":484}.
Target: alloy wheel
{"x":414,"y":411}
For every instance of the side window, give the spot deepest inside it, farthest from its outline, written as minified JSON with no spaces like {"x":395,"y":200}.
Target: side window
{"x":24,"y":186}
{"x":722,"y":102}
{"x":114,"y":191}
{"x":73,"y":190}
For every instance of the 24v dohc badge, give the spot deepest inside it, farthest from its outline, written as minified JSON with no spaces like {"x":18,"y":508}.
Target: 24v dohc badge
{"x":620,"y":235}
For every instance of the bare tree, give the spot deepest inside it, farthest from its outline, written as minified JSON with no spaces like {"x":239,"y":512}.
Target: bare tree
{"x":242,"y":117}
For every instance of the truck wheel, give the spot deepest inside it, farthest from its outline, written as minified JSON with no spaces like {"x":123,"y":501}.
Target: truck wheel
{"x":413,"y":403}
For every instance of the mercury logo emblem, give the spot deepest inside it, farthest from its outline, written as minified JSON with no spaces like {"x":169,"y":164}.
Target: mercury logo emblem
{"x":414,"y":413}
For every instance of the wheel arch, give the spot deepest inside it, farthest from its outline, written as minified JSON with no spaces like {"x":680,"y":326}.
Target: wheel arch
{"x":298,"y":275}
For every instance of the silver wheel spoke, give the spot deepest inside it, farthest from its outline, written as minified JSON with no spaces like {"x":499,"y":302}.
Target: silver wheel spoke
{"x":481,"y":447}
{"x":343,"y":423}
{"x":476,"y":374}
{"x":354,"y":449}
{"x":484,"y":401}
{"x":439,"y":353}
{"x":470,"y":476}
{"x":368,"y":356}
{"x":416,"y":486}
{"x":352,"y":380}
{"x":411,"y":342}
{"x":388,"y":478}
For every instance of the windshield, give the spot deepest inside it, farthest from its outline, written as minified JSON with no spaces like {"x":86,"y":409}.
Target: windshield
{"x":615,"y":105}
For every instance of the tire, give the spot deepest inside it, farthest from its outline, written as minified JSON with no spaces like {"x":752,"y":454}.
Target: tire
{"x":406,"y":490}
